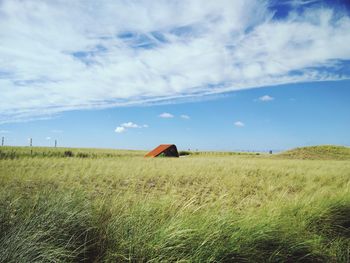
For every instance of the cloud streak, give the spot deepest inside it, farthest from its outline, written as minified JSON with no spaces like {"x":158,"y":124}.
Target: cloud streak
{"x":185,"y":117}
{"x":58,"y":56}
{"x":266,"y":98}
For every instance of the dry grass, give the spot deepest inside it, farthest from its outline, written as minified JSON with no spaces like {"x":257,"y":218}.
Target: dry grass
{"x":211,"y":208}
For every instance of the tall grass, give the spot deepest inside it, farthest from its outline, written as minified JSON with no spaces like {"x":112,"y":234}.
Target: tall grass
{"x":192,"y":209}
{"x":45,"y":227}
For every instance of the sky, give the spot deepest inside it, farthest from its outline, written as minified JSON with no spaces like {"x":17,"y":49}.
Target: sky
{"x":208,"y":75}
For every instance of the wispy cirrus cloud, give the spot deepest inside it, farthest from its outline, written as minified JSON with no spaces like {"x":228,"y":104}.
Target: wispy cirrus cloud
{"x":301,"y":2}
{"x":65,"y":55}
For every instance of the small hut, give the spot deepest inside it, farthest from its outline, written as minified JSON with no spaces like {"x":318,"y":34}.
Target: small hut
{"x":167,"y":150}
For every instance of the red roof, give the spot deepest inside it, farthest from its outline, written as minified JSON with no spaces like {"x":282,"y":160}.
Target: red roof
{"x":160,"y":149}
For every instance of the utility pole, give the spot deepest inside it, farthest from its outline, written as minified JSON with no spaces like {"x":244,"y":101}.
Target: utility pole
{"x":55,"y":143}
{"x":30,"y":144}
{"x":2,"y":141}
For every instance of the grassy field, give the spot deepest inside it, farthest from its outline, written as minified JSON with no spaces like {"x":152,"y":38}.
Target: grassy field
{"x":116,"y":206}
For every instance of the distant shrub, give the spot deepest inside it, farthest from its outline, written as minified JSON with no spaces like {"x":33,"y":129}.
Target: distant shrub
{"x":68,"y":154}
{"x":8,"y":155}
{"x":82,"y":155}
{"x":183,"y":153}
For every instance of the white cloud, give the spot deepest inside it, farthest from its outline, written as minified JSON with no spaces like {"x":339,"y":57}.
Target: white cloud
{"x":239,"y":124}
{"x":65,"y":55}
{"x":166,"y":115}
{"x":4,"y":131}
{"x":120,"y":129}
{"x":184,"y":116}
{"x":266,"y":98}
{"x":129,"y":125}
{"x":48,"y":138}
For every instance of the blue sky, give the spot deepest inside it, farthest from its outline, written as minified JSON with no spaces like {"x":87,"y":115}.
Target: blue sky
{"x":223,"y":75}
{"x":277,"y":118}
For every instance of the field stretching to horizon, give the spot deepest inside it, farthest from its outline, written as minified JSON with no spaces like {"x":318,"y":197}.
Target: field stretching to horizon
{"x":91,"y":205}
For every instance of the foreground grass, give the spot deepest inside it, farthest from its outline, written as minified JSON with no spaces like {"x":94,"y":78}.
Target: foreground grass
{"x":240,"y":208}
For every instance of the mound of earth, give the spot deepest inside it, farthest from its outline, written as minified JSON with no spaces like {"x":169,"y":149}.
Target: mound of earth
{"x":322,"y":152}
